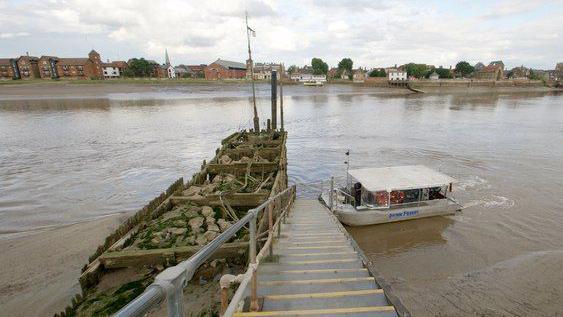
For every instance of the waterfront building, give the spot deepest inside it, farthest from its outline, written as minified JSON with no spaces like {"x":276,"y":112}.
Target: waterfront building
{"x":263,"y":71}
{"x":479,"y":66}
{"x":196,"y":71}
{"x":190,"y":71}
{"x":493,"y":71}
{"x":557,"y":73}
{"x":397,"y":75}
{"x":359,"y":75}
{"x":9,"y":69}
{"x":306,"y":74}
{"x":48,"y":67}
{"x":157,"y":70}
{"x":223,"y":69}
{"x":28,"y":67}
{"x":114,"y":69}
{"x":519,"y":73}
{"x":434,"y":76}
{"x":71,"y":68}
{"x":170,"y":72}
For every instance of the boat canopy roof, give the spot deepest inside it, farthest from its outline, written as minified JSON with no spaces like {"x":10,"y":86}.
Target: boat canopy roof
{"x":400,"y":177}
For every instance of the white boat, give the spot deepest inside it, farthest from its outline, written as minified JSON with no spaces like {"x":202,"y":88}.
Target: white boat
{"x":313,"y":83}
{"x":389,"y":194}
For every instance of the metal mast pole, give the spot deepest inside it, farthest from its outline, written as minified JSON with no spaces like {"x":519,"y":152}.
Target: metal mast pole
{"x":256,"y":120}
{"x":281,"y":95}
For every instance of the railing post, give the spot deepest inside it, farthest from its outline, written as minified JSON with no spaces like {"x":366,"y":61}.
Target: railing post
{"x":271,"y":225}
{"x":224,"y":300}
{"x":175,"y":300}
{"x":330,"y":198}
{"x":254,"y":281}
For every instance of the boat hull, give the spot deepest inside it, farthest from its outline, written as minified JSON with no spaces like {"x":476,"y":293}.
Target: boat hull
{"x":351,"y":217}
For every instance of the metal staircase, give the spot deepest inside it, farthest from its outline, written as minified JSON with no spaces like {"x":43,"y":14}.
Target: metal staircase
{"x":316,"y":271}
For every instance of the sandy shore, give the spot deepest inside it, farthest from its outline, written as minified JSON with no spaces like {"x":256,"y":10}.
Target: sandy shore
{"x":39,"y":271}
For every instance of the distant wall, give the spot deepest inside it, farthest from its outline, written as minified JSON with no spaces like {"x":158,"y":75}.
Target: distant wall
{"x":476,"y":83}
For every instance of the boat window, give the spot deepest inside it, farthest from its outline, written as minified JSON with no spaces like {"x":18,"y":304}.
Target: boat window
{"x":381,"y":199}
{"x":411,"y":196}
{"x":437,"y":193}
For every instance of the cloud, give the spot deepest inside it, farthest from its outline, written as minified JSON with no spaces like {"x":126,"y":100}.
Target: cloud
{"x":372,"y":33}
{"x":13,"y":35}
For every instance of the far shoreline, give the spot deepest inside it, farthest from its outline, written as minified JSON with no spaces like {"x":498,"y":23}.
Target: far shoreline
{"x":88,"y":89}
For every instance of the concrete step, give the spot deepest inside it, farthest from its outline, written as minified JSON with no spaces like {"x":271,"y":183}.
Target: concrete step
{"x":352,"y":263}
{"x":312,"y":249}
{"x":335,"y":242}
{"x":292,"y":257}
{"x":273,"y":287}
{"x":291,"y":275}
{"x":325,"y":300}
{"x":375,"y":311}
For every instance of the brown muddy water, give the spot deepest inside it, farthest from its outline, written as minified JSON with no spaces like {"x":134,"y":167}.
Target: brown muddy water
{"x":74,"y":159}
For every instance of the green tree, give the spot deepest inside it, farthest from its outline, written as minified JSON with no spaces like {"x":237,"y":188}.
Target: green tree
{"x":128,"y":72}
{"x":292,"y":69}
{"x":139,"y":67}
{"x":417,"y":70}
{"x":378,"y":72}
{"x":319,"y":66}
{"x":443,"y":72}
{"x":464,"y":68}
{"x":346,"y":65}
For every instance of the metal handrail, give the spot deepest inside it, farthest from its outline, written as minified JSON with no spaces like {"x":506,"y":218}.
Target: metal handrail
{"x":170,"y":283}
{"x":346,"y":194}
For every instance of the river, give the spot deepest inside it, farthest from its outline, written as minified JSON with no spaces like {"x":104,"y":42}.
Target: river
{"x":72,"y":159}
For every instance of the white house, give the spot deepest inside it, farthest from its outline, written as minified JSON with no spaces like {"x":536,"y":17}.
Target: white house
{"x":110,"y":70}
{"x":434,"y":76}
{"x":307,"y":77}
{"x":170,"y":71}
{"x":396,"y":75}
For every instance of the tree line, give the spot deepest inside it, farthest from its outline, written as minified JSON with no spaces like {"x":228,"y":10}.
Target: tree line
{"x":345,"y":67}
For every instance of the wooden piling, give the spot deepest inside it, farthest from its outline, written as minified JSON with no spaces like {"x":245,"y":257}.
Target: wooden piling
{"x":274,"y":82}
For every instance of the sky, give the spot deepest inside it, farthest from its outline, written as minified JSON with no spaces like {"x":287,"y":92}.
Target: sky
{"x":372,"y":33}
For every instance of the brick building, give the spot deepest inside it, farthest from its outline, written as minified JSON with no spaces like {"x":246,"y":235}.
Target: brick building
{"x":28,"y":67}
{"x":9,"y":69}
{"x":52,"y":67}
{"x":222,"y":69}
{"x":48,"y":67}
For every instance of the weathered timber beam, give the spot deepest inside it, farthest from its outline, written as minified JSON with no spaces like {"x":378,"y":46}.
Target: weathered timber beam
{"x":241,"y":168}
{"x":235,"y":200}
{"x":268,"y":153}
{"x":138,"y":258}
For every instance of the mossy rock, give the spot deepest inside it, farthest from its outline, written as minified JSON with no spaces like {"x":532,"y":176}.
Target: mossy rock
{"x":108,"y":302}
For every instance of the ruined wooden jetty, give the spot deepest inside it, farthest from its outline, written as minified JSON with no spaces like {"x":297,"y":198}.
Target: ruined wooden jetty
{"x":247,"y":170}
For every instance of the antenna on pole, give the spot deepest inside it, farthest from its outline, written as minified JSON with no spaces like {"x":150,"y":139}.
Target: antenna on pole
{"x":248,"y":32}
{"x":281,"y":94}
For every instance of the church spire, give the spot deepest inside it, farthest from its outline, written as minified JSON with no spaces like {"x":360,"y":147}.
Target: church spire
{"x":166,"y":57}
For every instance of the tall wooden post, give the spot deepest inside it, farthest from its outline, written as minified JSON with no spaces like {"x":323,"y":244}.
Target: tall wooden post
{"x":281,"y":97}
{"x":274,"y":81}
{"x":256,"y":120}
